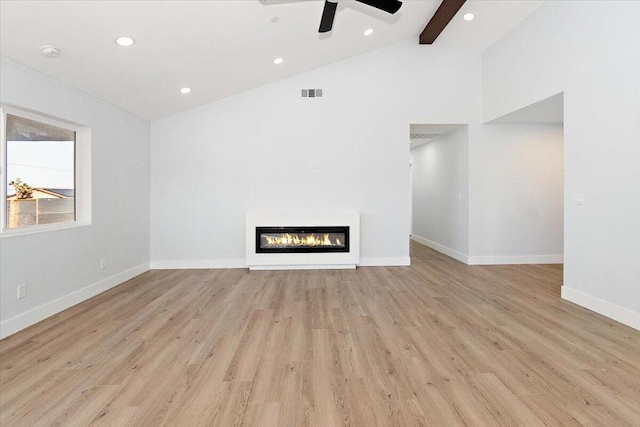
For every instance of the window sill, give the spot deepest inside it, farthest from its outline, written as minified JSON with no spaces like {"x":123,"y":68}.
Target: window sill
{"x":34,"y":229}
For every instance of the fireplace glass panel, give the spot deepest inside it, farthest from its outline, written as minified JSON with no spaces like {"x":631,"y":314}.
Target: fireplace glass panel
{"x":302,"y":239}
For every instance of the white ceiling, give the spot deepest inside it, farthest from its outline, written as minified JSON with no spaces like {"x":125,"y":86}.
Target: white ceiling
{"x":549,"y":110}
{"x":218,"y":48}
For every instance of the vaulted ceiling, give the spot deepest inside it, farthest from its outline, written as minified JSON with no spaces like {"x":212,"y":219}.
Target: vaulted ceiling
{"x":217,"y":48}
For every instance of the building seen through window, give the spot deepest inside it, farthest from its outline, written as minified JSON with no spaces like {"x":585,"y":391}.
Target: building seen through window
{"x":40,"y":179}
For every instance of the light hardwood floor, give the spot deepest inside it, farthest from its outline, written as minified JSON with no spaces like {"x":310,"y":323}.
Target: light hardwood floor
{"x":438,"y":343}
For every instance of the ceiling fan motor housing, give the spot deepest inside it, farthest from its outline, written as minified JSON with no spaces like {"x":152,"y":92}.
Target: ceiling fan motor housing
{"x":330,"y":7}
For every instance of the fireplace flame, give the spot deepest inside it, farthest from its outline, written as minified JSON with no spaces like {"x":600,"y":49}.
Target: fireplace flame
{"x":295,"y":240}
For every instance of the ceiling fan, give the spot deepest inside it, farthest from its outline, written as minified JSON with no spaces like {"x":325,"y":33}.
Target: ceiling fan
{"x":330,"y":6}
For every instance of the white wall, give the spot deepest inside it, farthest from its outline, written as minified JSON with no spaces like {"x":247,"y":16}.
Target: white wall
{"x":251,"y":152}
{"x":440,"y":172}
{"x":516,"y":185}
{"x":591,"y":51}
{"x":58,"y":266}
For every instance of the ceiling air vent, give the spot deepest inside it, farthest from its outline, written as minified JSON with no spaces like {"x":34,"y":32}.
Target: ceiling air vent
{"x":311,"y":93}
{"x":424,"y":135}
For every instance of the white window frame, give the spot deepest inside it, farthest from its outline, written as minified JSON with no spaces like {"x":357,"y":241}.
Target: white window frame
{"x":82,"y":172}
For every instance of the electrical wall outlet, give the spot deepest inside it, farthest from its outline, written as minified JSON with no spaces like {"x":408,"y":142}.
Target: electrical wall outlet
{"x":315,"y":164}
{"x":103,"y":264}
{"x":22,"y":291}
{"x":227,"y":247}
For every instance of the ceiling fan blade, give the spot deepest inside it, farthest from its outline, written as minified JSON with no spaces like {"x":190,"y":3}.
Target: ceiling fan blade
{"x":328,"y":14}
{"x":389,"y":6}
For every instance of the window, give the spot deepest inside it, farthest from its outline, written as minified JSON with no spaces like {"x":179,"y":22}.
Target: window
{"x":44,"y":178}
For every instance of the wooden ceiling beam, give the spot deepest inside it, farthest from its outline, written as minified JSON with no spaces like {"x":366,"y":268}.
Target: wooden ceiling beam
{"x":445,"y":13}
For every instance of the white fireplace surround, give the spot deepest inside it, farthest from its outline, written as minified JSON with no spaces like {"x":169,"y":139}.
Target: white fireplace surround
{"x":297,"y":261}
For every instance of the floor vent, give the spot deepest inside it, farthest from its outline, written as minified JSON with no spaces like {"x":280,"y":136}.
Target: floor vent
{"x":312,"y":93}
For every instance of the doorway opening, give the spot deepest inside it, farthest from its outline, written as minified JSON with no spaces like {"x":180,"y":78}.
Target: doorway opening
{"x":492,"y":193}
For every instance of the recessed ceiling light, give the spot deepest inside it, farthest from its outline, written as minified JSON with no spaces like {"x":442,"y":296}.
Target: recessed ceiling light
{"x":185,"y":90}
{"x":50,"y":51}
{"x":125,"y":41}
{"x":278,"y":61}
{"x":468,"y":16}
{"x":368,"y":32}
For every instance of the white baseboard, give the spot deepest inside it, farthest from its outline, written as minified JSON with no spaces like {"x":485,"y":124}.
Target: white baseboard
{"x":442,"y":249}
{"x":186,"y":264}
{"x":37,"y":314}
{"x":384,"y":262}
{"x":516,"y":259}
{"x":600,"y":306}
{"x":240,"y":263}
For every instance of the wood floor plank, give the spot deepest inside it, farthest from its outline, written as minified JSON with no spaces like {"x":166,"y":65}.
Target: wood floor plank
{"x":439,"y":343}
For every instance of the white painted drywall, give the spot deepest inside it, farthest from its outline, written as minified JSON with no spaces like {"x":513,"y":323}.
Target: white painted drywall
{"x":252,"y":153}
{"x":516,"y":186}
{"x":56,"y":264}
{"x":440,"y":173}
{"x":591,"y":51}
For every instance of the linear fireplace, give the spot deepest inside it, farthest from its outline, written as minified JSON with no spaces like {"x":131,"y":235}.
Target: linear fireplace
{"x":302,"y":239}
{"x":289,"y":240}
